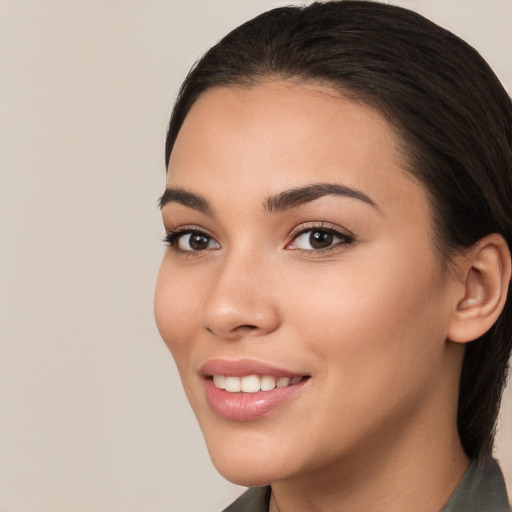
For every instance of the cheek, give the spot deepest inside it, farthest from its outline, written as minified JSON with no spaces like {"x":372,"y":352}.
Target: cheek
{"x":376,"y":343}
{"x":373,"y":315}
{"x":175,"y":306}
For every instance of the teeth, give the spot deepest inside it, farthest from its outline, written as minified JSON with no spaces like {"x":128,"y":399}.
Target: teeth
{"x":283,"y":382}
{"x":250,"y":384}
{"x":233,"y":384}
{"x":268,"y":383}
{"x":219,"y":381}
{"x":253,"y":383}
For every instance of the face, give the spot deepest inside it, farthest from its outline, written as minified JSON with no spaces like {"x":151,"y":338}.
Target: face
{"x":300,"y":293}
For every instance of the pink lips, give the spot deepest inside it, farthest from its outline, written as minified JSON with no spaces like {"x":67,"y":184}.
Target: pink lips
{"x":246,"y":406}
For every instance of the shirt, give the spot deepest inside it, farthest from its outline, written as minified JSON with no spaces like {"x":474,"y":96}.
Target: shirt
{"x":481,"y":489}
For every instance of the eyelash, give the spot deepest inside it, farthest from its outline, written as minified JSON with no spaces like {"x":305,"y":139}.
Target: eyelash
{"x":173,"y":237}
{"x":344,"y":237}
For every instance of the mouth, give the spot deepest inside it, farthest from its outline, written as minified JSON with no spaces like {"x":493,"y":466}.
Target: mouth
{"x":246,"y":390}
{"x":254,"y":383}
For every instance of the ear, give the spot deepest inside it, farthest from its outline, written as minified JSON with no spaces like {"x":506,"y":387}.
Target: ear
{"x":485,"y":273}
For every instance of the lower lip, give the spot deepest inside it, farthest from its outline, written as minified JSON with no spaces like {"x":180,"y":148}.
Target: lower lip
{"x":248,"y":406}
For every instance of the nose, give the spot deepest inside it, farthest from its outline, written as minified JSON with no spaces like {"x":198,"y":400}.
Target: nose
{"x":240,"y":302}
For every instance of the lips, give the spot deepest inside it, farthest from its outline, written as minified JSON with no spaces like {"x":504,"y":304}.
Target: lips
{"x":245,"y":390}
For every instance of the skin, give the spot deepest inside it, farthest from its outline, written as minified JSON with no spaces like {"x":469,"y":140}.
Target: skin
{"x":374,"y":428}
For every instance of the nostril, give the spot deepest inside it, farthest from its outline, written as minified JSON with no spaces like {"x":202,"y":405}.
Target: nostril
{"x":245,"y":328}
{"x":240,"y":329}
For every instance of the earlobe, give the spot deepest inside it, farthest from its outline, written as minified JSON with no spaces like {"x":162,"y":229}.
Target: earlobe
{"x":486,"y":273}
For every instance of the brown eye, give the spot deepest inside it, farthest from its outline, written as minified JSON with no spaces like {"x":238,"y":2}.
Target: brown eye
{"x":194,"y":242}
{"x":190,"y":241}
{"x":319,"y":239}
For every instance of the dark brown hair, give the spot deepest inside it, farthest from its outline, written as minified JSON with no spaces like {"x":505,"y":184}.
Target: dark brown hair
{"x":453,"y":116}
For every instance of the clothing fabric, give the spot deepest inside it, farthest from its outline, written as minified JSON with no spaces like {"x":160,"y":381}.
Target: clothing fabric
{"x":481,"y":489}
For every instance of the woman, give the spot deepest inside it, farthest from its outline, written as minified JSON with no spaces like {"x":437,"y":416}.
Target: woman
{"x":334,"y":291}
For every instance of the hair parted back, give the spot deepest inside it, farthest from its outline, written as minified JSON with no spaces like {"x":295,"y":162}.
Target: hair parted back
{"x":452,"y":114}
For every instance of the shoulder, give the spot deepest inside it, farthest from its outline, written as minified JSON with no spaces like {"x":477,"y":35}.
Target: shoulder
{"x":482,"y":489}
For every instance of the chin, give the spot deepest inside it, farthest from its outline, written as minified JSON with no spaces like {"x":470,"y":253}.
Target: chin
{"x":239,"y":477}
{"x":249,"y":461}
{"x":247,"y":474}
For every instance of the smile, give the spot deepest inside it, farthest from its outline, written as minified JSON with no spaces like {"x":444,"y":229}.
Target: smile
{"x":246,"y":389}
{"x":253,"y":383}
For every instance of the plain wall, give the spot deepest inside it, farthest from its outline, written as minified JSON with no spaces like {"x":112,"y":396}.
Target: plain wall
{"x":92,"y":415}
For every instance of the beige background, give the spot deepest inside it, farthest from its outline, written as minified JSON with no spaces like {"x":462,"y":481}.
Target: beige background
{"x":92,"y":417}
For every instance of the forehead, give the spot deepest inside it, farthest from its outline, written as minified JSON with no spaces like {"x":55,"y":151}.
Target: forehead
{"x":275,"y":135}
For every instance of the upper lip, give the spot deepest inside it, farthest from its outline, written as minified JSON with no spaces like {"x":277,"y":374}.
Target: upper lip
{"x":244,"y":367}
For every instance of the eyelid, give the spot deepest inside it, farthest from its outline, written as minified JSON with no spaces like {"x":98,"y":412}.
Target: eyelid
{"x":321,"y":225}
{"x":345,"y":237}
{"x":173,"y":235}
{"x":187,"y":228}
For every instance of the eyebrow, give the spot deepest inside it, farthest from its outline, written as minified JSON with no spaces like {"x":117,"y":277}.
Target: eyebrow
{"x":298,"y":196}
{"x":186,"y":198}
{"x":280,"y":202}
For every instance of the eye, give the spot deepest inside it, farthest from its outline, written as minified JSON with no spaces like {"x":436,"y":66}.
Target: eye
{"x":317,"y":239}
{"x":190,"y":241}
